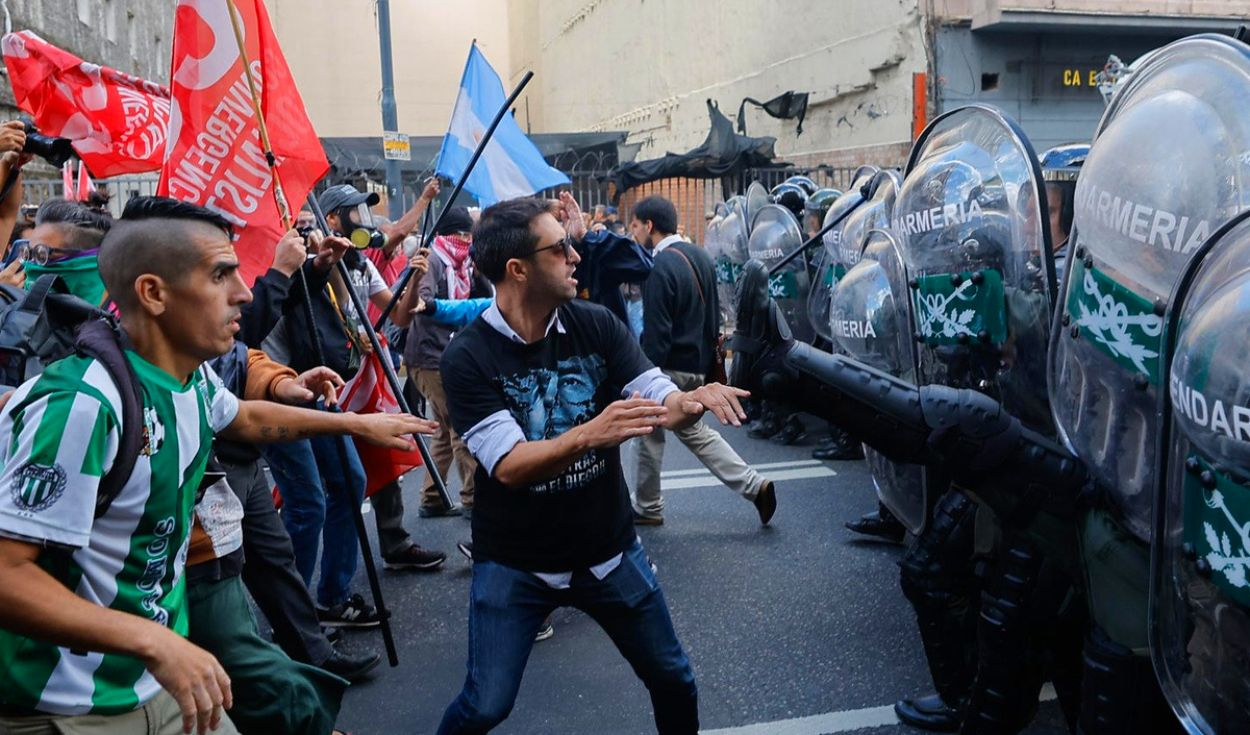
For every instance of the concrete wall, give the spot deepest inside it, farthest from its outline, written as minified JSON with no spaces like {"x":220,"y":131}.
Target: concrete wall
{"x":132,"y":36}
{"x":647,"y":67}
{"x":332,"y":48}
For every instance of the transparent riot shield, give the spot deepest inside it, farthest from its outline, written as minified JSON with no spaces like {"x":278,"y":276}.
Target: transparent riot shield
{"x":1200,"y":606}
{"x":1168,"y":164}
{"x":732,"y":242}
{"x":756,"y":199}
{"x":971,"y":218}
{"x":829,"y":267}
{"x":872,"y":214}
{"x":774,"y":235}
{"x":871,"y":323}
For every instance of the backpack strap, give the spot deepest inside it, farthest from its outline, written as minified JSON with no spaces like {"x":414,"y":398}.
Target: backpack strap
{"x":46,"y":284}
{"x":102,"y":339}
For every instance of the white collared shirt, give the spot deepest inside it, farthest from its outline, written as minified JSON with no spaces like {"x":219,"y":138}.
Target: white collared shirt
{"x":662,"y":244}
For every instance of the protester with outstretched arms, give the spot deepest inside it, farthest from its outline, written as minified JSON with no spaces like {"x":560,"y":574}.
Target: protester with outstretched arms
{"x":93,"y":609}
{"x":544,"y":388}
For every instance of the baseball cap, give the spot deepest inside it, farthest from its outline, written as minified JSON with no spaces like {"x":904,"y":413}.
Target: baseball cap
{"x":345,"y":195}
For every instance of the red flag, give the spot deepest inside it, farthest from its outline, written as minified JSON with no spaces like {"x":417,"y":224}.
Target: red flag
{"x":85,"y":186}
{"x":216,"y":157}
{"x":67,"y":180}
{"x":117,"y":122}
{"x":369,"y":392}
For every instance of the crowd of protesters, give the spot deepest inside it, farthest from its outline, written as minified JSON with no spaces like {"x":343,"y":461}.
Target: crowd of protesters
{"x":550,"y":350}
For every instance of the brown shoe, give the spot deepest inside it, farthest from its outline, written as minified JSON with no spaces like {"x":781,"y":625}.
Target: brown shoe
{"x":766,"y":502}
{"x":641,"y":520}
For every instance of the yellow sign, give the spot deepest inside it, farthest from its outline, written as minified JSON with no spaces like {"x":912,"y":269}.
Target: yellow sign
{"x":395,"y":147}
{"x":1080,"y":77}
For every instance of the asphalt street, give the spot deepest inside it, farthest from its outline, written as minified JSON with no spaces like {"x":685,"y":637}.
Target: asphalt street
{"x":795,"y":629}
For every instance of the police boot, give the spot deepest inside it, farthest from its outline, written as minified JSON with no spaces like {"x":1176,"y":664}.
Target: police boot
{"x":840,"y":447}
{"x":792,"y":432}
{"x":929,"y":712}
{"x":881,"y":524}
{"x":937,"y":579}
{"x":1009,"y":663}
{"x":767,"y":426}
{"x":1120,"y":693}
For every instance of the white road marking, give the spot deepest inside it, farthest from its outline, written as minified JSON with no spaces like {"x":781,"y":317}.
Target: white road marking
{"x":766,"y":466}
{"x":707,"y":480}
{"x":831,"y":723}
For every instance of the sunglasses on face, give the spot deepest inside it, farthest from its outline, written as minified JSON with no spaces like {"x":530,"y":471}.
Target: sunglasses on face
{"x":566,"y":244}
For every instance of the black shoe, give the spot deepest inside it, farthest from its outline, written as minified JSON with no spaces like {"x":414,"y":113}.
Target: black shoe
{"x":840,"y":448}
{"x":333,"y":635}
{"x":352,"y":667}
{"x":466,"y":548}
{"x":928,"y":713}
{"x":792,"y":432}
{"x":883,"y":527}
{"x":415,"y":557}
{"x":766,"y":502}
{"x":438,"y":511}
{"x":353,"y":612}
{"x":764,"y":428}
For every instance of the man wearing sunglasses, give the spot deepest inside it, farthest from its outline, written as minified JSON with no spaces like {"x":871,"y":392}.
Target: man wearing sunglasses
{"x":544,"y":388}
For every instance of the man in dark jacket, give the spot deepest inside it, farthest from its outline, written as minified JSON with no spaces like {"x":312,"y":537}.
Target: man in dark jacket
{"x":680,"y":327}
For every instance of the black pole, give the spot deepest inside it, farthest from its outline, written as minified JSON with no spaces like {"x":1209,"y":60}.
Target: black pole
{"x":385,"y":359}
{"x":398,"y":290}
{"x":358,"y":518}
{"x":814,"y":238}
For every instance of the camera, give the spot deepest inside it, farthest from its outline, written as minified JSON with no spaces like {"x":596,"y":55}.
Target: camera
{"x":55,"y":151}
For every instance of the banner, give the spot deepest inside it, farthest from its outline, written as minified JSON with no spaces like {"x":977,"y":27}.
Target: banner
{"x":368,"y":392}
{"x":117,"y":122}
{"x":215,"y":156}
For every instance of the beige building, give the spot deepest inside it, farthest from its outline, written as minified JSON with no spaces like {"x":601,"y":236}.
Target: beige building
{"x":873,"y":70}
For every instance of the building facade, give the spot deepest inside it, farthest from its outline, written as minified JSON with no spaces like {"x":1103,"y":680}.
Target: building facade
{"x":132,"y":36}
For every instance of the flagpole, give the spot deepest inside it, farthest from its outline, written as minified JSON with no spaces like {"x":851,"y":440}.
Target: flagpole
{"x":284,"y":212}
{"x":398,"y":290}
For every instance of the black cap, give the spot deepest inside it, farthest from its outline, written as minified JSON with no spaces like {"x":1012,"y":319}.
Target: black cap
{"x":457,"y":219}
{"x":344,"y":195}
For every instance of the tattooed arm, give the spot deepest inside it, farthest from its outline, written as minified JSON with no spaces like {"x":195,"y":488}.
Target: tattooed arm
{"x":263,"y":422}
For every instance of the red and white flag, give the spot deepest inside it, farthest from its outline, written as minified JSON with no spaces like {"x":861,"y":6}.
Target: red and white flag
{"x":117,"y":122}
{"x":215,"y":156}
{"x":369,"y":392}
{"x":85,"y":187}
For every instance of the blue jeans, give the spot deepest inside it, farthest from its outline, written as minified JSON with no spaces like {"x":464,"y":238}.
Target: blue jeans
{"x":317,"y":493}
{"x":506,"y":608}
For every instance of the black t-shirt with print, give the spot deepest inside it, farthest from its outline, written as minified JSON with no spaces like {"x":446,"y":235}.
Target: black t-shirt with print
{"x":581,"y":517}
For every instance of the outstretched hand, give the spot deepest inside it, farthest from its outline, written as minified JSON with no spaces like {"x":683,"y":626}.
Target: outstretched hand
{"x":392,"y":430}
{"x":722,"y":400}
{"x":621,"y":420}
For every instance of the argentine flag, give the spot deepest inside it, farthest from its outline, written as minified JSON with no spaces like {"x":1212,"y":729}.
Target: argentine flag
{"x":511,"y":165}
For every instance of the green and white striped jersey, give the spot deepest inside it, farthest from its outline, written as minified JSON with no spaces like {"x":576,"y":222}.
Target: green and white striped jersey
{"x":59,"y":434}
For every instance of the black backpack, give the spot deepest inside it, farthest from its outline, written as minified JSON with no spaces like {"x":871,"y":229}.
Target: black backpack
{"x":48,"y":323}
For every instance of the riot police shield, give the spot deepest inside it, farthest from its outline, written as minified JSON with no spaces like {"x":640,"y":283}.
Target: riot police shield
{"x":871,"y":323}
{"x":1200,"y":606}
{"x":774,"y":235}
{"x":731,"y":236}
{"x":972,"y":221}
{"x":1166,"y":167}
{"x":756,"y":199}
{"x":828,"y":269}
